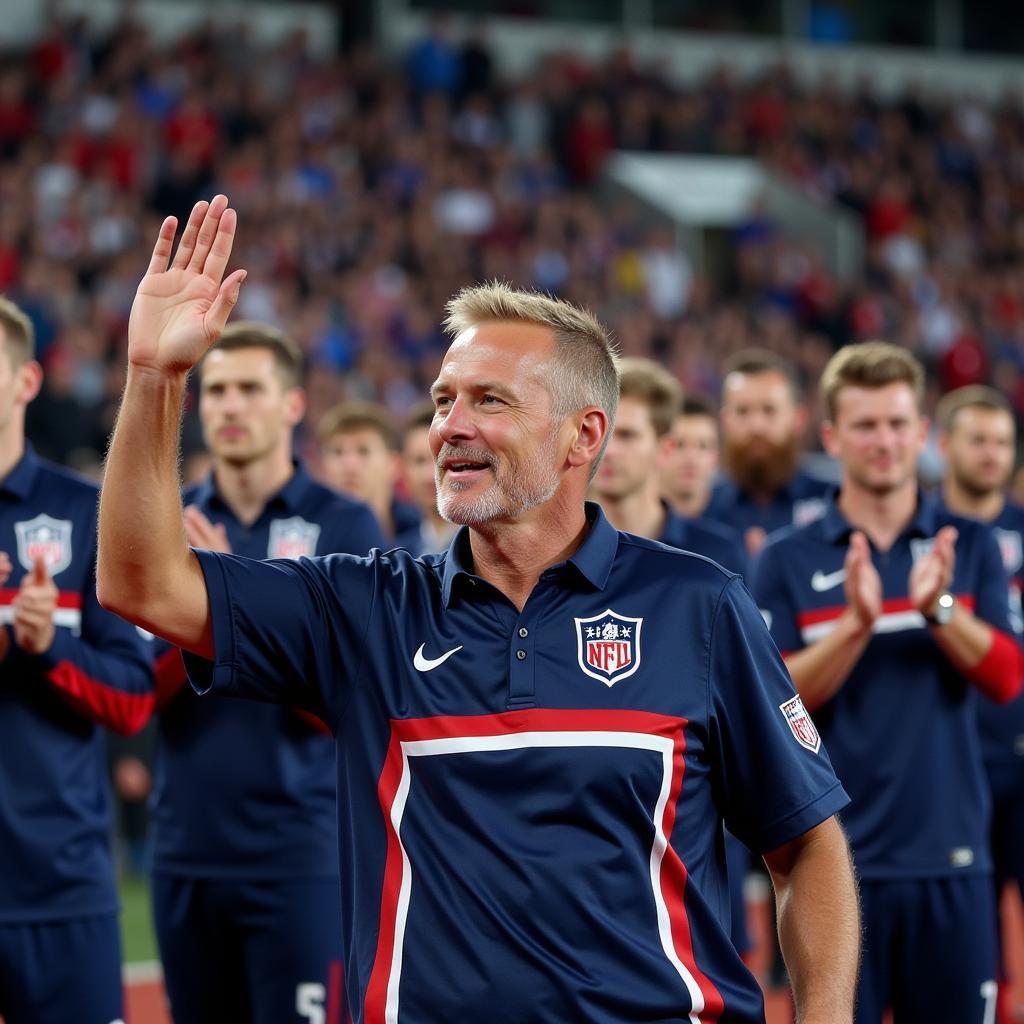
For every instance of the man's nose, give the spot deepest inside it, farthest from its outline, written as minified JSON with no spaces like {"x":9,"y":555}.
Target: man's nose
{"x":457,"y":424}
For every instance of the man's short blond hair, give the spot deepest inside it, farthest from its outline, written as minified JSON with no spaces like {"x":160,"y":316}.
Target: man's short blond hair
{"x":584,"y":368}
{"x":650,"y":383}
{"x":352,"y":417}
{"x":973,"y":396}
{"x":870,"y":364}
{"x":19,"y":335}
{"x":287,"y":356}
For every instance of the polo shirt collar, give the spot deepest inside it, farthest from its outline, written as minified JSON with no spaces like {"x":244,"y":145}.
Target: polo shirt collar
{"x":924,"y":523}
{"x":592,"y":559}
{"x":290,"y":497}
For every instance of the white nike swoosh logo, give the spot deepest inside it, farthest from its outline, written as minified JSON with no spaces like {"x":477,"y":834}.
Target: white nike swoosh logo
{"x":826,"y":581}
{"x":422,"y":664}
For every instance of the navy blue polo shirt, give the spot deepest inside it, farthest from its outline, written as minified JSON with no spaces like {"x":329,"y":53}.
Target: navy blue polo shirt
{"x":530,"y":803}
{"x":799,"y":502}
{"x":1002,"y":725}
{"x":244,"y":789}
{"x":706,"y":538}
{"x":901,"y":730}
{"x":55,"y":860}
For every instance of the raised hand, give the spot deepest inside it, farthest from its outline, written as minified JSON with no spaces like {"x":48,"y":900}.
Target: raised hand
{"x":202,"y":533}
{"x":863,"y":585}
{"x":180,"y":310}
{"x":933,"y":573}
{"x":33,"y":610}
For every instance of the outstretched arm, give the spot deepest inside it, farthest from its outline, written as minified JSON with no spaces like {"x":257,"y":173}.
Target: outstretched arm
{"x":146,"y":571}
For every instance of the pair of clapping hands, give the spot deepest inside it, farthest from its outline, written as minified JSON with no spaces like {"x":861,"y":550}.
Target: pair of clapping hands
{"x":34,"y":606}
{"x":931,"y":576}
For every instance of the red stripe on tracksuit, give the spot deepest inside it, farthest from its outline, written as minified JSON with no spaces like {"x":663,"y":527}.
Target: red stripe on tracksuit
{"x":124,"y":713}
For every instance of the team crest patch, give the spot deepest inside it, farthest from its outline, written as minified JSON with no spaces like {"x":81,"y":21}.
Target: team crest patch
{"x":608,"y":646}
{"x":44,"y":536}
{"x":1010,"y":549}
{"x":807,"y":510}
{"x":292,"y":538}
{"x":800,"y":724}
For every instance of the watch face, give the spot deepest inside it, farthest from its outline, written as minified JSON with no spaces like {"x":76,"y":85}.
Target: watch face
{"x":944,"y":609}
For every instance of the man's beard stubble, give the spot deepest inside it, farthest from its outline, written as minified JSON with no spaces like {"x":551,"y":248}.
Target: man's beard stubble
{"x":765,"y":472}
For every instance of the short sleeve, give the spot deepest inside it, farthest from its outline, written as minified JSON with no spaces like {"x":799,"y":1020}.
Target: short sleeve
{"x":288,"y":631}
{"x":768,"y":585}
{"x":775,"y":779}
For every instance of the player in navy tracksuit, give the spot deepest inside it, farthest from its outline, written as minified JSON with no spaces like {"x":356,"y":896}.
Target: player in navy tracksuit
{"x":243,"y":831}
{"x":763,"y":421}
{"x":67,"y":667}
{"x":978,"y":439}
{"x":892,"y":613}
{"x":628,"y":486}
{"x":539,"y":731}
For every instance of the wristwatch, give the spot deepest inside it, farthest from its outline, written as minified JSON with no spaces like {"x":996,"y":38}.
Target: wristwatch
{"x":943,"y":610}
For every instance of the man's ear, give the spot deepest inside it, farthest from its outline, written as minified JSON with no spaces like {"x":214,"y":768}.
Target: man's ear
{"x":590,"y":431}
{"x":30,"y":381}
{"x":295,"y":406}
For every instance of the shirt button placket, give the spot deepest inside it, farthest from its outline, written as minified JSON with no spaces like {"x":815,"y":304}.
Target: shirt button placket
{"x":521,"y":692}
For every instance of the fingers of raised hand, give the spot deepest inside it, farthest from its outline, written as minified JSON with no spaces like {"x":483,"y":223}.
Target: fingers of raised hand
{"x":207,"y":233}
{"x":187,"y":245}
{"x":227,"y":297}
{"x":5,"y":566}
{"x":163,"y":247}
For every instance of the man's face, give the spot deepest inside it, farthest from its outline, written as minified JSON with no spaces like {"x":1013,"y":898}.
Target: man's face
{"x":359,"y":463}
{"x":758,"y":411}
{"x":497,"y":451}
{"x":877,"y":434}
{"x":692,"y":459}
{"x":761,"y":428}
{"x":418,"y":468}
{"x":245,"y":409}
{"x":632,"y":455}
{"x":980,"y":449}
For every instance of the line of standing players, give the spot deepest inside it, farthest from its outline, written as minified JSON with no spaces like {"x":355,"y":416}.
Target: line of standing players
{"x":892,"y":608}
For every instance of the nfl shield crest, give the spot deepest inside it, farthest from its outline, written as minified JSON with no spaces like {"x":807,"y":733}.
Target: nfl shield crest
{"x":800,"y":724}
{"x":44,"y":536}
{"x":1010,"y":549}
{"x":608,"y":646}
{"x":292,"y":538}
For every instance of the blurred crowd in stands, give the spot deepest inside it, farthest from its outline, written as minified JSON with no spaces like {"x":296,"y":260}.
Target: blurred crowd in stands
{"x":369,"y":191}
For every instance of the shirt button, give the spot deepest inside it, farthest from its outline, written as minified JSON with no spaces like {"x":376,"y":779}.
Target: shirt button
{"x":521,"y":654}
{"x":523,"y":631}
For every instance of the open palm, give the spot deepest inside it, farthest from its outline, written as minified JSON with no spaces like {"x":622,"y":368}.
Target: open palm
{"x":180,"y":310}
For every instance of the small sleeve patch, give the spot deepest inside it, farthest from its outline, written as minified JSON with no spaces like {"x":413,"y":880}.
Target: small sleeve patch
{"x":800,"y":724}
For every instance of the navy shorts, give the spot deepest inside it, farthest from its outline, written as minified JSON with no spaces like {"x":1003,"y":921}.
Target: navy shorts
{"x":250,"y":952}
{"x":61,"y":972}
{"x":1007,"y":785}
{"x":929,"y":951}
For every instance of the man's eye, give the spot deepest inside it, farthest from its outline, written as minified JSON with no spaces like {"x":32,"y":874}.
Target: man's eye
{"x":491,"y":400}
{"x":441,"y":403}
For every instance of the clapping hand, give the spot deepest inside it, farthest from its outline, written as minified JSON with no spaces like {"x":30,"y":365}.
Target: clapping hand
{"x":863,"y":585}
{"x":34,"y":606}
{"x":202,"y":533}
{"x":933,"y":573}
